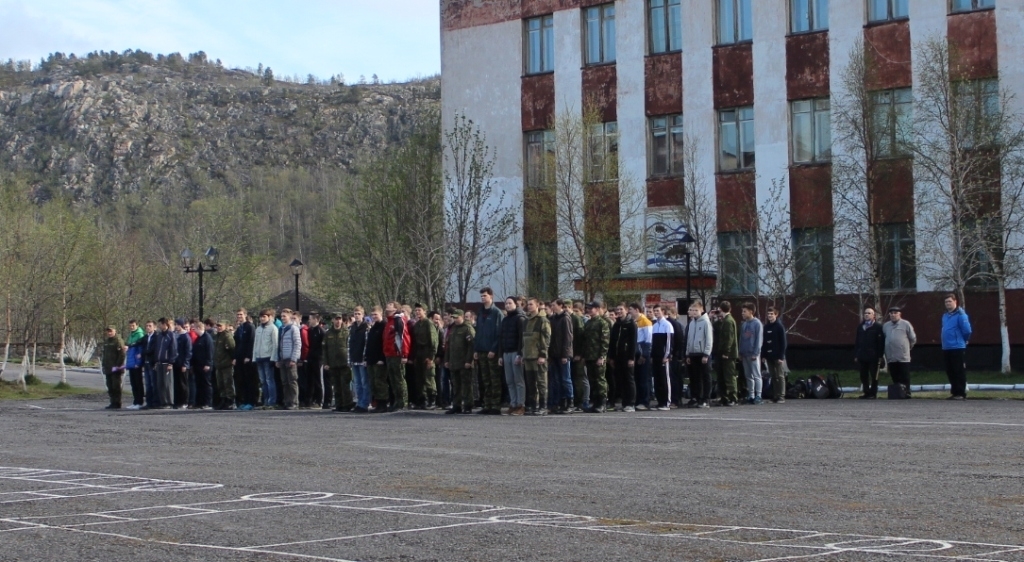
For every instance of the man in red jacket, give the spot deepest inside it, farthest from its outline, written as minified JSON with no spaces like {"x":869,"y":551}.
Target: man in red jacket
{"x":397,"y":342}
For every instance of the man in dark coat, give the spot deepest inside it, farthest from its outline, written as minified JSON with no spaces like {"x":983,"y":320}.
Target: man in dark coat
{"x":868,"y":352}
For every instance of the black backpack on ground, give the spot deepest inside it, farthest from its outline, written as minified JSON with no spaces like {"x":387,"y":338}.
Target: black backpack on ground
{"x":835,"y":390}
{"x":897,"y":391}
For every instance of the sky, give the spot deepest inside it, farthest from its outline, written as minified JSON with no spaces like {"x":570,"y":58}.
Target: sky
{"x":395,"y":39}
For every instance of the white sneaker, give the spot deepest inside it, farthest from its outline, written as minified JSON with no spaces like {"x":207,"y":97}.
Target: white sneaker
{"x":641,"y":408}
{"x":133,"y":407}
{"x":629,"y":409}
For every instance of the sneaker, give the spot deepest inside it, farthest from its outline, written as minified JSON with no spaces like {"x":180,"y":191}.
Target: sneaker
{"x":691,"y":403}
{"x":629,"y":409}
{"x":641,"y":408}
{"x":662,"y":408}
{"x":132,"y":407}
{"x":730,"y":403}
{"x":779,"y":401}
{"x":758,"y":401}
{"x":703,"y":405}
{"x":228,"y":408}
{"x":206,"y":408}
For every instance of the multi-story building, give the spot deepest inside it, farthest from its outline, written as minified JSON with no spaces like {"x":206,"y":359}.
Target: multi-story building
{"x":751,"y":84}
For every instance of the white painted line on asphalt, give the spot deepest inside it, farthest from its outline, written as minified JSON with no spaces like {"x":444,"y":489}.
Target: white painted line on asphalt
{"x":841,"y":421}
{"x":806,"y":544}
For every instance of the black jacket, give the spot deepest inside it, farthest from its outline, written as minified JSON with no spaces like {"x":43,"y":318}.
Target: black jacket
{"x":245,"y":337}
{"x":375,"y":343}
{"x":165,"y":347}
{"x":184,"y":350}
{"x":202,"y":351}
{"x":357,"y":342}
{"x":149,"y":351}
{"x":678,"y":339}
{"x":774,"y":345}
{"x":870,"y":346}
{"x":511,"y":333}
{"x":623,"y":342}
{"x":316,"y":343}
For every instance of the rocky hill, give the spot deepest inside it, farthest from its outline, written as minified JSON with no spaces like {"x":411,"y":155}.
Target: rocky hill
{"x":107,"y":124}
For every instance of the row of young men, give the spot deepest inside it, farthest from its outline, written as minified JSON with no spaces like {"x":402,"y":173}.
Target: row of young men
{"x":558,"y":357}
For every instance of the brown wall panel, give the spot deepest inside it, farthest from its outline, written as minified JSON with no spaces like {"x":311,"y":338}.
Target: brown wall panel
{"x":459,"y":14}
{"x":892,"y":190}
{"x":807,"y":66}
{"x":810,"y":196}
{"x":599,"y":90}
{"x":733,"y":75}
{"x":538,"y":102}
{"x":887,"y":53}
{"x":972,"y":36}
{"x":663,"y":84}
{"x":666,"y":192}
{"x":736,"y":198}
{"x":539,"y":215}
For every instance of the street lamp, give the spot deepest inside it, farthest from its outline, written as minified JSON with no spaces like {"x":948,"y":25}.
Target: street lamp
{"x":296,"y":266}
{"x":688,"y":241}
{"x":206,"y":263}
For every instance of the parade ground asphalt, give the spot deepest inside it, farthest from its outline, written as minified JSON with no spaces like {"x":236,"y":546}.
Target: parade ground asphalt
{"x":805,"y":480}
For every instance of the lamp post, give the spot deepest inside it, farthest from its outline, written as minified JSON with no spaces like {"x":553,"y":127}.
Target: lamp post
{"x":688,"y":241}
{"x":296,"y":266}
{"x":210,"y":265}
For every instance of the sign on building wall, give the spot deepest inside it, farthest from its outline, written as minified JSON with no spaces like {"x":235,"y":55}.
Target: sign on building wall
{"x":666,"y":236}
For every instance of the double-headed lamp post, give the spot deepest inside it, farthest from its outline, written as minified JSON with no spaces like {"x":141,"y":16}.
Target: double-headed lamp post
{"x":296,"y":266}
{"x":206,"y":263}
{"x":688,"y":242}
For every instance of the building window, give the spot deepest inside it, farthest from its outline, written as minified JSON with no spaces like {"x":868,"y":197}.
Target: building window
{"x":815,"y":268}
{"x":981,"y":103}
{"x":808,"y":15}
{"x":540,"y":45}
{"x":737,"y":268}
{"x":540,"y":159}
{"x":893,"y":111}
{"x":603,"y":151}
{"x":812,"y":131}
{"x":896,"y":257}
{"x":884,"y":10}
{"x":735,"y":21}
{"x":736,"y":139}
{"x":968,"y":5}
{"x":665,"y":19}
{"x":599,"y":31}
{"x":667,"y":145}
{"x":542,"y":269}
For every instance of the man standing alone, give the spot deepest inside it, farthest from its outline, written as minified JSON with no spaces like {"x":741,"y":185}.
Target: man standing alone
{"x":956,"y":332}
{"x":773,"y":349}
{"x":899,"y":340}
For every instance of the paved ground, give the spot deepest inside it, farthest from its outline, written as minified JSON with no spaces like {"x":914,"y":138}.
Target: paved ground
{"x":78,"y":377}
{"x":833,"y":480}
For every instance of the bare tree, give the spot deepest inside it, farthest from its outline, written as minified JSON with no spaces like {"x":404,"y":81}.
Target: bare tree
{"x":595,"y":207}
{"x":968,"y":152}
{"x":698,"y":214}
{"x":480,"y":229}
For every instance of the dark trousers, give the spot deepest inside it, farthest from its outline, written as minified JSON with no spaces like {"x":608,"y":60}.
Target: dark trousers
{"x":900,"y":373}
{"x":700,"y":378}
{"x":180,"y":385}
{"x":279,"y":383}
{"x":956,"y":371}
{"x":114,"y":384}
{"x":203,"y":395}
{"x":138,"y":389}
{"x":247,"y":383}
{"x":642,"y":375}
{"x":675,"y":375}
{"x":624,"y":383}
{"x":311,"y":384}
{"x":660,"y":370}
{"x":869,"y":377}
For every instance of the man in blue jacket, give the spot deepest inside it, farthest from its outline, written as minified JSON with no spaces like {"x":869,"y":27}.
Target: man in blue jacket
{"x":486,"y":353}
{"x":956,"y":331}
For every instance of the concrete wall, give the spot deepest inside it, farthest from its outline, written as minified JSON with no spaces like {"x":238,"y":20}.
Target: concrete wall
{"x":481,"y":68}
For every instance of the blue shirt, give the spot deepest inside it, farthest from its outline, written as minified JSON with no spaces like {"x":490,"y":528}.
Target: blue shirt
{"x":956,"y":329}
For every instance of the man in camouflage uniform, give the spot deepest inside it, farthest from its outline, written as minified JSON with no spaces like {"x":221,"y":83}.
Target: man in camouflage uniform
{"x":596,"y":337}
{"x":223,"y":357}
{"x":335,"y":357}
{"x":536,"y":339}
{"x":725,"y":349}
{"x":459,"y":361}
{"x":112,"y":364}
{"x":580,"y":384}
{"x":424,"y":336}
